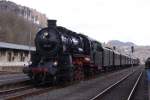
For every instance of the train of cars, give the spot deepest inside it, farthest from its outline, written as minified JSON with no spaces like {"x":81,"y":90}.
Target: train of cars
{"x":63,"y":55}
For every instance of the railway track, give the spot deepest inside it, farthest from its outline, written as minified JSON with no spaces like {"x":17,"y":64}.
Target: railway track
{"x":12,"y":80}
{"x":13,"y":87}
{"x":19,"y":89}
{"x":13,"y":90}
{"x":123,"y":89}
{"x":23,"y":91}
{"x":26,"y":93}
{"x":8,"y":72}
{"x":5,"y":73}
{"x":13,"y":83}
{"x":29,"y":91}
{"x":17,"y":92}
{"x":32,"y":92}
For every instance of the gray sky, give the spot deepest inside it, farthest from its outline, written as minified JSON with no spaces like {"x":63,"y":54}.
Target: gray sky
{"x":103,"y":20}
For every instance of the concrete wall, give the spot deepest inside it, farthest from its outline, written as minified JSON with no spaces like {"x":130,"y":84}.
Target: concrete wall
{"x":13,"y":60}
{"x":13,"y":56}
{"x":10,"y":55}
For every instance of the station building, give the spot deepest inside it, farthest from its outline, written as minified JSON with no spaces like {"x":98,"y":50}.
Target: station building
{"x":14,"y":56}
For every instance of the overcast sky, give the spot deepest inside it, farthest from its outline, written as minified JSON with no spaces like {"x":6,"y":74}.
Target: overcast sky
{"x":103,"y":20}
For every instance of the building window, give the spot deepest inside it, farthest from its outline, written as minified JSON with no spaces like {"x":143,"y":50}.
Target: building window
{"x":26,"y":54}
{"x":22,"y":58}
{"x":13,"y":58}
{"x":15,"y":53}
{"x":9,"y":56}
{"x":2,"y":52}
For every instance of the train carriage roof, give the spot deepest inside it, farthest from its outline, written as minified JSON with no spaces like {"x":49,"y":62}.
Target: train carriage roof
{"x":116,"y":52}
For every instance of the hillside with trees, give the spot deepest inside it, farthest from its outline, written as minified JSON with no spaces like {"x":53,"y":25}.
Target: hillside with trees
{"x":17,"y":22}
{"x":16,"y":29}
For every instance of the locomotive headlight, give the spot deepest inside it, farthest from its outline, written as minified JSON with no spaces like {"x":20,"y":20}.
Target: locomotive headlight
{"x":55,"y":63}
{"x":87,"y":58}
{"x":45,"y":35}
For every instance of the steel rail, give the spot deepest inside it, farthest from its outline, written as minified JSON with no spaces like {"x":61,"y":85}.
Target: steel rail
{"x":5,"y":92}
{"x":112,"y":86}
{"x":134,"y":87}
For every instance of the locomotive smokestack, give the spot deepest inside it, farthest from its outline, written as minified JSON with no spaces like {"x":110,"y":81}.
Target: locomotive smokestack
{"x":51,"y":23}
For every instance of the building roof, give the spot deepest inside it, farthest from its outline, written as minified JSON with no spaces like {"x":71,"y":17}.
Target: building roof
{"x":16,"y":46}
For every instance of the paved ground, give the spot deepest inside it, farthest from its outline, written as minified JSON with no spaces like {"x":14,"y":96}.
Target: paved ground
{"x":83,"y":90}
{"x":9,"y":78}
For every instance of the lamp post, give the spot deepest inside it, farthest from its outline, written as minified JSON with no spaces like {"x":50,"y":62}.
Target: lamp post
{"x":30,"y":43}
{"x":132,"y":50}
{"x":29,"y":48}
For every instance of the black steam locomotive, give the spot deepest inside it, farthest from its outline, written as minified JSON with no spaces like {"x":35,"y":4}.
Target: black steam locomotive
{"x":63,"y":55}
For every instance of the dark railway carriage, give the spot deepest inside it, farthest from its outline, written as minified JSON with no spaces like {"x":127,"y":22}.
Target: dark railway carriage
{"x":128,"y":60}
{"x":97,"y":53}
{"x":111,"y":60}
{"x":127,"y":63}
{"x":107,"y":58}
{"x":117,"y":59}
{"x":62,"y":55}
{"x":123,"y":60}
